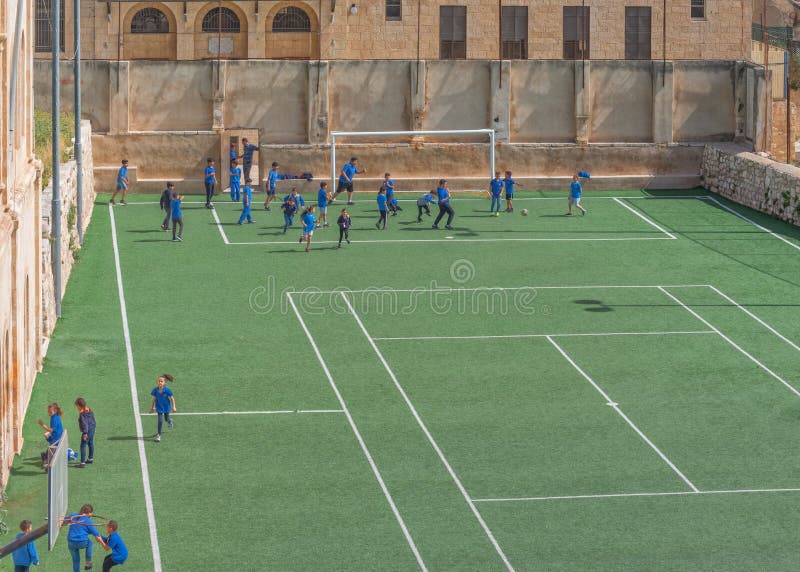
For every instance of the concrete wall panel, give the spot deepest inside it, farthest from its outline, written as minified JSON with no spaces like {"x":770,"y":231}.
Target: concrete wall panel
{"x":542,"y":101}
{"x":458,"y":95}
{"x":622,"y":101}
{"x":171,"y":95}
{"x":94,"y":90}
{"x":703,"y":105}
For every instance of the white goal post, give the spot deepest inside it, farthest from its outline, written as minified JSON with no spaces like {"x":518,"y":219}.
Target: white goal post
{"x":341,"y":134}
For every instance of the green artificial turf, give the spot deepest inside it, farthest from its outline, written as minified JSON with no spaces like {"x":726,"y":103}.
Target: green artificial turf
{"x":468,"y":328}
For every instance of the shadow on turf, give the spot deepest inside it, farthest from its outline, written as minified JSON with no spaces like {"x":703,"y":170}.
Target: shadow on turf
{"x":596,"y":305}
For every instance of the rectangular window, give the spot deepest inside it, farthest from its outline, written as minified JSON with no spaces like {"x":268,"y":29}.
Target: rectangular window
{"x":637,"y":32}
{"x":44,"y":27}
{"x":698,"y":9}
{"x":394,"y":9}
{"x":576,"y":32}
{"x":514,"y":32}
{"x":453,"y":32}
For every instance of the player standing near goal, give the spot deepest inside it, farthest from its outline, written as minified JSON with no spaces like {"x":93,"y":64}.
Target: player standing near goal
{"x":444,"y":206}
{"x":122,"y":183}
{"x":508,"y":184}
{"x":236,"y":181}
{"x":381,"y":208}
{"x":495,"y":191}
{"x":163,"y":403}
{"x":272,"y":178}
{"x":349,"y":171}
{"x":575,"y":191}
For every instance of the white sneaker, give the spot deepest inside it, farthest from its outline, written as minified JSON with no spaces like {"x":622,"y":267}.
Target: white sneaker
{"x":158,"y":438}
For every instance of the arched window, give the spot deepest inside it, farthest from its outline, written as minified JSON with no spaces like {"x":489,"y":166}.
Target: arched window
{"x":150,"y":21}
{"x":291,"y":19}
{"x":221,"y":20}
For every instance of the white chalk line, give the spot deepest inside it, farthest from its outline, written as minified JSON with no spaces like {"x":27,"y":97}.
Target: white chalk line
{"x":512,"y":336}
{"x":755,"y":224}
{"x":219,"y":226}
{"x":454,"y":239}
{"x":633,"y":495}
{"x":427,"y":433}
{"x":732,"y":343}
{"x":357,"y":434}
{"x":379,"y":290}
{"x":276,"y":412}
{"x":644,"y":218}
{"x":148,"y":497}
{"x":616,"y":408}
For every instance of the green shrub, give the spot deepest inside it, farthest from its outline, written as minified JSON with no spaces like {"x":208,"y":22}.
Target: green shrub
{"x":42,"y":139}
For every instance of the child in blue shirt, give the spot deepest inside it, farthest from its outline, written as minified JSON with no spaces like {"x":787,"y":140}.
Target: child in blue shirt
{"x":25,"y":556}
{"x":177,"y":217}
{"x":233,"y":152}
{"x":443,"y":195}
{"x":209,"y":179}
{"x":322,"y":203}
{"x":508,"y":184}
{"x":272,"y":178}
{"x":236,"y":181}
{"x":495,"y":191}
{"x":122,"y":183}
{"x":80,"y":527}
{"x":422,"y":205}
{"x":297,"y":197}
{"x":114,"y":543}
{"x":575,"y":190}
{"x":391,"y":201}
{"x":53,"y":432}
{"x":289,"y":210}
{"x":349,"y":171}
{"x":381,"y":208}
{"x":163,"y":403}
{"x":247,"y":200}
{"x":308,"y":226}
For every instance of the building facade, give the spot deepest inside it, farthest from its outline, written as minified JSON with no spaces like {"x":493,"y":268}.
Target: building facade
{"x":405,"y":29}
{"x":20,"y":236}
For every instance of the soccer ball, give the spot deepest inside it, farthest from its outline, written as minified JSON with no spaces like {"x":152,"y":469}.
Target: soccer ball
{"x":71,"y":455}
{"x":524,"y":212}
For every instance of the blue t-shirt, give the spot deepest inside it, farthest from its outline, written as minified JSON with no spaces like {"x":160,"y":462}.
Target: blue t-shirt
{"x":58,"y":429}
{"x":233,"y":154}
{"x":508,"y":183}
{"x":236,"y":174}
{"x":381,"y":202}
{"x":163,"y":404}
{"x":298,"y":200}
{"x":25,"y":555}
{"x":308,"y":222}
{"x":210,"y":172}
{"x":575,"y":189}
{"x":119,"y":552}
{"x":247,"y":196}
{"x":122,"y":174}
{"x":389,"y":184}
{"x":80,"y":526}
{"x":175,"y":207}
{"x":496,"y":187}
{"x":247,"y":155}
{"x":322,"y":198}
{"x":271,"y":178}
{"x":350,"y":170}
{"x":443,"y":195}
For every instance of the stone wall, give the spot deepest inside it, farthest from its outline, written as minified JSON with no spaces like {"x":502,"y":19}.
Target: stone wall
{"x":70,"y":244}
{"x":753,"y":181}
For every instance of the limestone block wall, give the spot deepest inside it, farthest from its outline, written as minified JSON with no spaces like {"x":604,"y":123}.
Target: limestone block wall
{"x":70,"y":245}
{"x":753,"y":181}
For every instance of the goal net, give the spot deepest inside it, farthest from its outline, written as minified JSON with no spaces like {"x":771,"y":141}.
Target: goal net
{"x":338,"y":137}
{"x":57,"y":492}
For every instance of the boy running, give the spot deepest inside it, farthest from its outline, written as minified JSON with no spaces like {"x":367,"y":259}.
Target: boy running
{"x":575,"y":190}
{"x":349,"y":171}
{"x":164,"y":203}
{"x":422,"y":205}
{"x":272,"y":178}
{"x":163,"y":403}
{"x":495,"y":191}
{"x":289,"y":210}
{"x":209,"y":178}
{"x":391,"y":202}
{"x":122,"y":183}
{"x":236,"y":181}
{"x":344,"y":227}
{"x":247,"y":200}
{"x":297,"y":197}
{"x":443,"y":195}
{"x":177,"y":217}
{"x":308,"y":226}
{"x":508,"y":184}
{"x":381,"y":208}
{"x":322,"y":203}
{"x":114,"y":543}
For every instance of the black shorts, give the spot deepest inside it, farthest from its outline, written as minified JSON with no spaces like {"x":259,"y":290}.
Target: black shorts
{"x":342,"y":186}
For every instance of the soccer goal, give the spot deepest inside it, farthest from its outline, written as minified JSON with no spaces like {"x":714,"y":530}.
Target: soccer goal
{"x":57,"y":490}
{"x":335,"y":135}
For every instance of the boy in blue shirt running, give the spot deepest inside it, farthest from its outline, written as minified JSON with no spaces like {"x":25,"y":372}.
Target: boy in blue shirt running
{"x":25,"y":556}
{"x":122,"y":183}
{"x":495,"y":191}
{"x":575,"y":190}
{"x":80,"y":527}
{"x":349,"y":171}
{"x":508,"y":184}
{"x":236,"y":181}
{"x":247,"y":200}
{"x":443,"y":195}
{"x":289,"y":210}
{"x":391,"y":202}
{"x":177,"y":217}
{"x":297,"y":197}
{"x":209,"y":178}
{"x":163,"y":403}
{"x":322,"y":203}
{"x":422,"y":205}
{"x":272,"y":178}
{"x":381,"y":208}
{"x":308,"y":226}
{"x":114,"y":543}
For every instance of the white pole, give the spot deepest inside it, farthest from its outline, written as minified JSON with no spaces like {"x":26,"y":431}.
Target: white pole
{"x":333,"y":163}
{"x":491,"y":156}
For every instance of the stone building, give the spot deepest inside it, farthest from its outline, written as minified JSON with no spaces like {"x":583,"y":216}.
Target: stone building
{"x":20,"y":237}
{"x":406,"y":29}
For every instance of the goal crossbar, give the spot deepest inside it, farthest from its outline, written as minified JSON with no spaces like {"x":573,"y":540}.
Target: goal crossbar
{"x":453,"y":132}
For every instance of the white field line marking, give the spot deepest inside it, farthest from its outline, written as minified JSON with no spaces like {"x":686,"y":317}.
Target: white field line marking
{"x":431,"y":440}
{"x":148,"y":498}
{"x":755,"y":224}
{"x":379,"y":290}
{"x":626,"y":495}
{"x":360,"y":440}
{"x":644,"y":218}
{"x":734,"y":344}
{"x":756,"y":318}
{"x":508,"y":336}
{"x":407,"y":240}
{"x":219,"y":226}
{"x":286,"y":411}
{"x":616,"y":408}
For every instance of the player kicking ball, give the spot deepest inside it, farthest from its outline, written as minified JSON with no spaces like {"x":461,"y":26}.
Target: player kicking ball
{"x":575,"y":190}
